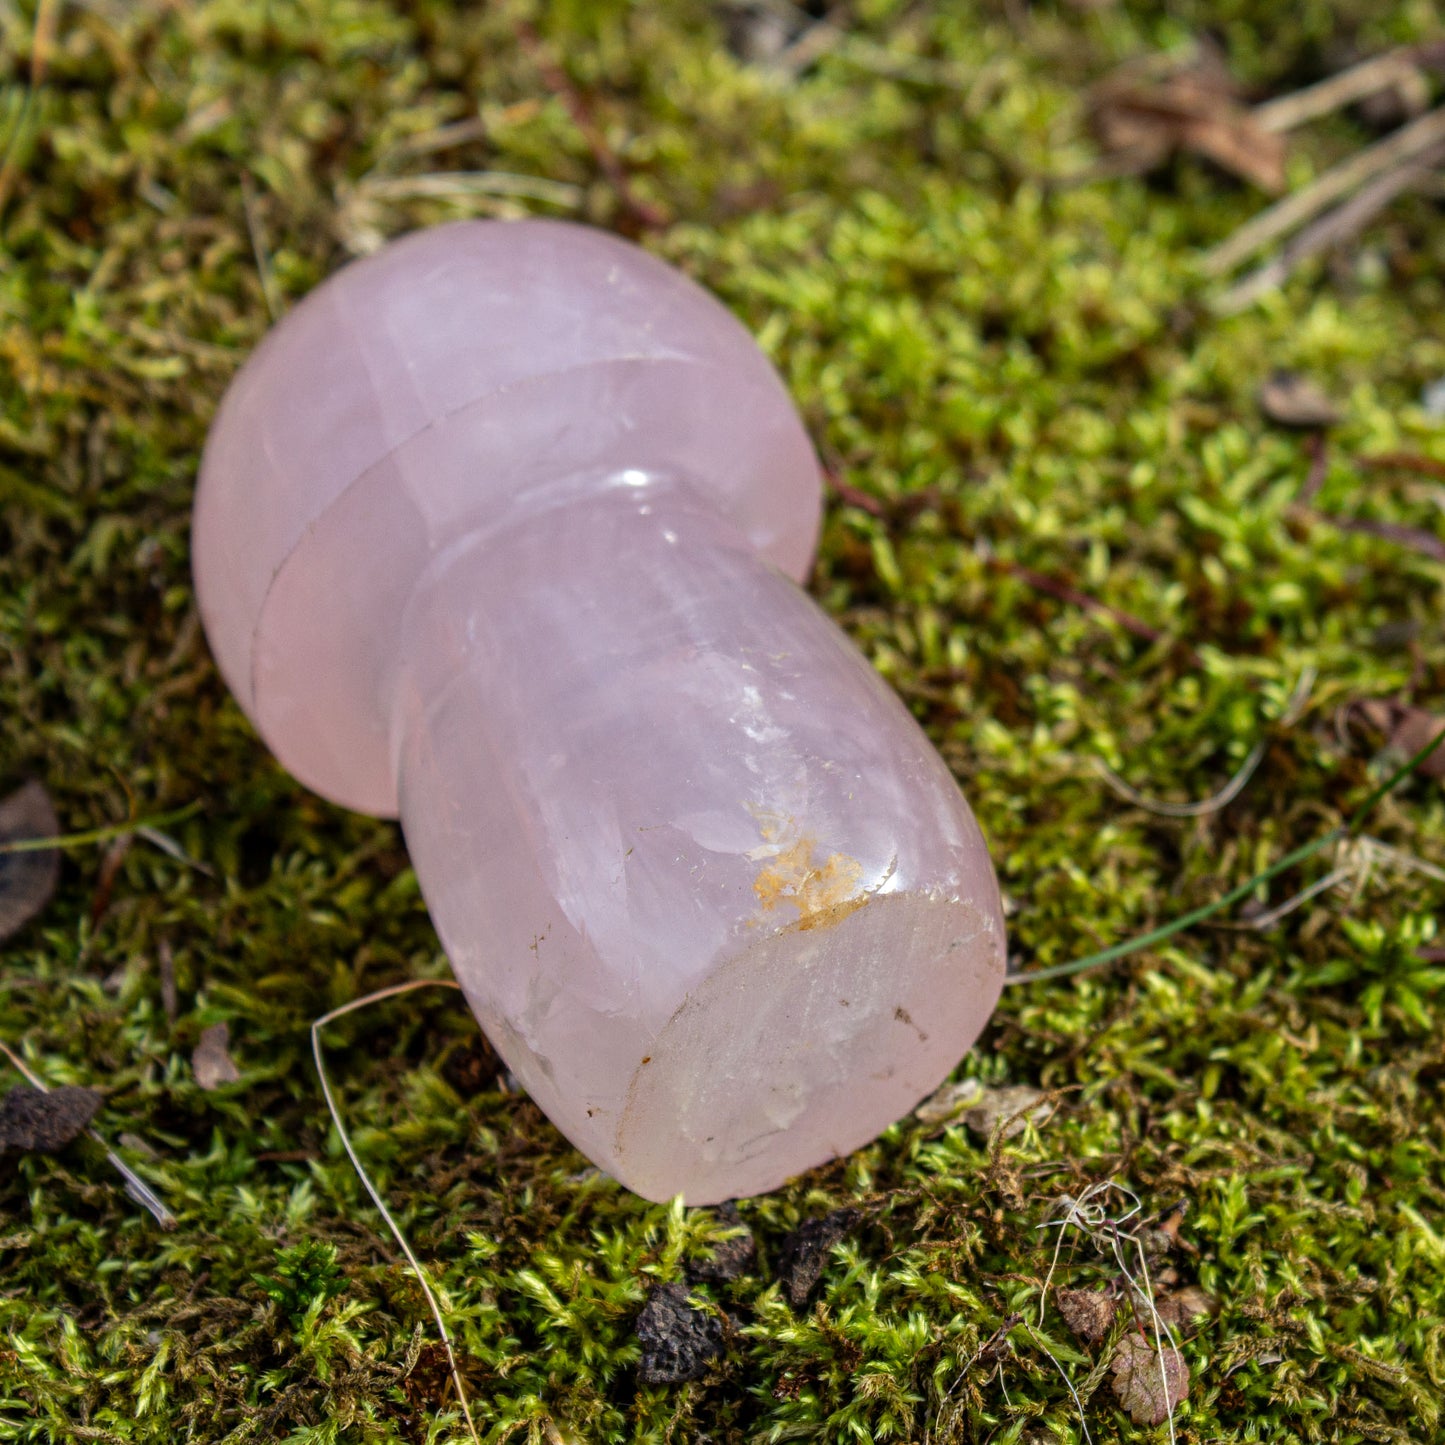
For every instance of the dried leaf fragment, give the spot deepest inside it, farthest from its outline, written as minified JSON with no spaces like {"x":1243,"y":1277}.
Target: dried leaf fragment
{"x":1408,"y":730}
{"x":678,"y":1339}
{"x":1149,"y":1392}
{"x":44,"y":1121}
{"x":211,"y":1061}
{"x":1184,"y":1310}
{"x":26,"y":879}
{"x":1141,"y":119}
{"x":1089,"y":1313}
{"x":1414,"y":728}
{"x":1292,"y":400}
{"x":1164,"y":1235}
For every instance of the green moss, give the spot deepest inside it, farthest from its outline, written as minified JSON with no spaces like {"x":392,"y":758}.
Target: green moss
{"x":1016,"y":375}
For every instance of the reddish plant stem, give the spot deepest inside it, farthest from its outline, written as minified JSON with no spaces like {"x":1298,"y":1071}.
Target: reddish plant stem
{"x":852,"y":496}
{"x":1319,"y":454}
{"x":1403,"y":462}
{"x":1417,"y":539}
{"x":1050,"y":586}
{"x":1057,"y":588}
{"x":559,"y":83}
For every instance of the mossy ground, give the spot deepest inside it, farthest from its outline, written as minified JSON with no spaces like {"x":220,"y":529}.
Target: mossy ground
{"x":1003,"y":369}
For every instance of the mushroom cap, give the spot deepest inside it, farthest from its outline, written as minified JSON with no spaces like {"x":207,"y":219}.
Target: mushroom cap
{"x":418,"y":395}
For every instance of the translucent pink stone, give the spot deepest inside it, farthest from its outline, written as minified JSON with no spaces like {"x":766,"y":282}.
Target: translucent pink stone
{"x":496,"y":531}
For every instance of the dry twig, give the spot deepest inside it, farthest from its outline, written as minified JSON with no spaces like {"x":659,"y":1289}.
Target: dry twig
{"x":1358,"y":859}
{"x":1348,"y":829}
{"x":1335,"y":227}
{"x":1417,"y":539}
{"x":1064,"y":592}
{"x":1357,"y":83}
{"x":1407,"y":144}
{"x":1404,"y":462}
{"x":1141,"y":117}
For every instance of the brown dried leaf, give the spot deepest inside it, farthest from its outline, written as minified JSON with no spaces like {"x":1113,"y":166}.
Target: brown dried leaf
{"x":1230,"y":137}
{"x":1379,"y":712}
{"x":1150,"y":1394}
{"x":26,"y":879}
{"x":1142,"y":119}
{"x":1414,"y":728}
{"x":1292,"y":400}
{"x":211,"y":1063}
{"x":1014,"y":1106}
{"x":1408,"y":730}
{"x":1184,"y":1310}
{"x":1171,"y":1221}
{"x":42,"y":1121}
{"x":1088,"y":1312}
{"x":998,"y":1346}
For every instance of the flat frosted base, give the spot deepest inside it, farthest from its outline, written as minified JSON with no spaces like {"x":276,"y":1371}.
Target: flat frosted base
{"x":805,"y":1046}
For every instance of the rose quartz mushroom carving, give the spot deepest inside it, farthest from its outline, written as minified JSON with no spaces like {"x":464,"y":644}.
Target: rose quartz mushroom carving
{"x":499,"y":531}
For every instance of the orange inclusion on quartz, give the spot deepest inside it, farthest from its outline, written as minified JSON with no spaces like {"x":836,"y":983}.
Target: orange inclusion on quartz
{"x":824,"y":893}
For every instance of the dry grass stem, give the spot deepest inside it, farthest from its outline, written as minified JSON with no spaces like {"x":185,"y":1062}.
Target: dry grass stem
{"x":1088,"y":1215}
{"x":1359,"y":857}
{"x":1411,"y":141}
{"x":422,"y":1278}
{"x":1222,"y":799}
{"x":457,"y":185}
{"x":1234,"y":787}
{"x":258,"y":247}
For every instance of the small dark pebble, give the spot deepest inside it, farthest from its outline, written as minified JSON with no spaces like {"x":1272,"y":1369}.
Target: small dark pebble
{"x":35,"y":1121}
{"x":678,"y":1339}
{"x":732,"y":1257}
{"x":804,"y":1252}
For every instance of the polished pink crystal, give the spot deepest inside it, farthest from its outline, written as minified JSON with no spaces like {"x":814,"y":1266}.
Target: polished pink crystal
{"x":498,"y":530}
